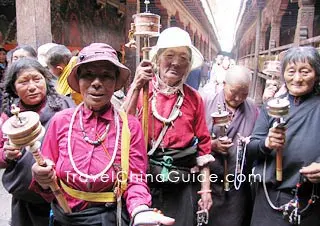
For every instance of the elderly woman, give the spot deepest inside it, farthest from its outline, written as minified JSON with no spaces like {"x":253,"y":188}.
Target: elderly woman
{"x":178,"y":137}
{"x":295,"y":198}
{"x":27,"y":85}
{"x":231,"y":207}
{"x":98,"y":153}
{"x":23,"y":51}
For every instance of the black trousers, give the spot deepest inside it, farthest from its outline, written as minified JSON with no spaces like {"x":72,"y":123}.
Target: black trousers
{"x":29,"y":214}
{"x":178,"y":201}
{"x":95,"y":216}
{"x":232,"y":207}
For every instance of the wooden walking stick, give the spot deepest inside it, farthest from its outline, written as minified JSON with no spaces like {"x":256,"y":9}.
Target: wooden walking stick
{"x":24,"y":130}
{"x":146,"y":25}
{"x":278,"y":108}
{"x":221,"y":119}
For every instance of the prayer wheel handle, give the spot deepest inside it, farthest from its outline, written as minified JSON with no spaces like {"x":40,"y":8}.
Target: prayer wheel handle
{"x":221,"y":119}
{"x":146,"y":25}
{"x":278,"y":108}
{"x":56,"y":190}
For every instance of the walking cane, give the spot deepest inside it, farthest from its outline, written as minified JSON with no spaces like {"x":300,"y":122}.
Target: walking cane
{"x":278,"y":108}
{"x":25,"y":130}
{"x":146,"y":25}
{"x":221,"y":119}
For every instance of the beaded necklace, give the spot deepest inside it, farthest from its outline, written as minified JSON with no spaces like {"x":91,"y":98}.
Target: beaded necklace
{"x":175,"y":113}
{"x":291,"y":211}
{"x":240,"y":161}
{"x":95,"y":176}
{"x":85,"y":136}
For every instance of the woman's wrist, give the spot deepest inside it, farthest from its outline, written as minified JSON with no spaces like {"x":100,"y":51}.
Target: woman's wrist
{"x":138,"y":209}
{"x":135,"y":87}
{"x":203,"y":191}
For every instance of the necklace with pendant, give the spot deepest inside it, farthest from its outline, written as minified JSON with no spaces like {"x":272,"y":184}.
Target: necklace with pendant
{"x":117,"y":128}
{"x":85,"y":136}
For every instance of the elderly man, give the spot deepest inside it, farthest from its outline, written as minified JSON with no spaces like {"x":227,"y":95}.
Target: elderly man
{"x":231,"y":207}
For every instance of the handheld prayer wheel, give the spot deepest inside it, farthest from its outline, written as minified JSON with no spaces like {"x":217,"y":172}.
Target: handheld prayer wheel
{"x":25,"y":130}
{"x":221,"y":119}
{"x":278,"y":108}
{"x":272,"y":68}
{"x":146,"y":25}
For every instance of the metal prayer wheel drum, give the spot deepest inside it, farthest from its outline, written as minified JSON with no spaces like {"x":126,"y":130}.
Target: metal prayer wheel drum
{"x":272,"y":68}
{"x":220,"y":118}
{"x":146,"y":24}
{"x":278,"y":108}
{"x":23,"y":128}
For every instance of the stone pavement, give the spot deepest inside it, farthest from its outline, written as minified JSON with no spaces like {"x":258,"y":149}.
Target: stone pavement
{"x":5,"y":204}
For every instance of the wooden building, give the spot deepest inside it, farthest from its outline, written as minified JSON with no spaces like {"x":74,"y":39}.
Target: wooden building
{"x":268,"y":27}
{"x":77,"y":23}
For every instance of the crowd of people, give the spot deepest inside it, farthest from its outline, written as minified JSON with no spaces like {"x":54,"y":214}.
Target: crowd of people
{"x":207,"y":158}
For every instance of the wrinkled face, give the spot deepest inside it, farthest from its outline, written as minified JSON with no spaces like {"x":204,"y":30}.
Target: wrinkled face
{"x":174,"y":64}
{"x":225,"y":63}
{"x":20,"y":53}
{"x":97,"y":81}
{"x":235,"y":94}
{"x":30,"y":86}
{"x":300,"y":78}
{"x":2,"y":57}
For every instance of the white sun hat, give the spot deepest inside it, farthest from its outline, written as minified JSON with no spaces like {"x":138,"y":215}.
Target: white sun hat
{"x":176,"y":37}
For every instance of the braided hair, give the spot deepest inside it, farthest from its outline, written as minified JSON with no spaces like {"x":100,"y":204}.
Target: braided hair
{"x":53,"y":99}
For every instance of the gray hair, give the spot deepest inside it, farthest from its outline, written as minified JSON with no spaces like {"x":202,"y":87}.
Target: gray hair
{"x":238,"y":75}
{"x":305,"y":54}
{"x":58,"y":54}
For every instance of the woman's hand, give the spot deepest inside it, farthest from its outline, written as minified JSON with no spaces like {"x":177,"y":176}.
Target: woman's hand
{"x":270,"y":90}
{"x":221,"y":145}
{"x":146,"y":217}
{"x":11,"y":152}
{"x":44,"y":175}
{"x":276,"y":138}
{"x":144,"y":74}
{"x":205,"y":202}
{"x":312,"y":172}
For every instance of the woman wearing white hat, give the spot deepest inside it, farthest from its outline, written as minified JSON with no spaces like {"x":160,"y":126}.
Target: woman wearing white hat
{"x":179,"y":140}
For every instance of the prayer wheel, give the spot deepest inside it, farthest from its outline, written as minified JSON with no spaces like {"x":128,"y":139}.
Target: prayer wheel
{"x":146,"y":25}
{"x":272,"y":68}
{"x":25,"y":130}
{"x":278,"y":108}
{"x":220,"y":118}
